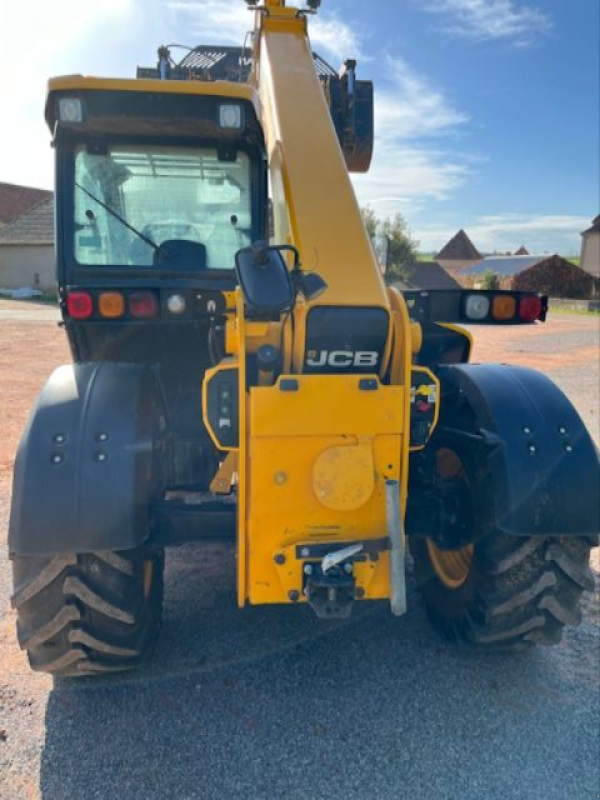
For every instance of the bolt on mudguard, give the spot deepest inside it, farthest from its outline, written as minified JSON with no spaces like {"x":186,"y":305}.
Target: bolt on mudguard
{"x":87,"y":466}
{"x":535,"y":466}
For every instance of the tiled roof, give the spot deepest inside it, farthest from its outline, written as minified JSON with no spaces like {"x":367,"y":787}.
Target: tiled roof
{"x":16,"y":200}
{"x":428,"y":275}
{"x":459,"y":248}
{"x":34,"y":227}
{"x":504,"y":266}
{"x":595,"y":226}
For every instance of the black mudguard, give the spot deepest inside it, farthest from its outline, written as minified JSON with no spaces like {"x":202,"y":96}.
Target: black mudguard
{"x":88,"y":465}
{"x":533,"y":467}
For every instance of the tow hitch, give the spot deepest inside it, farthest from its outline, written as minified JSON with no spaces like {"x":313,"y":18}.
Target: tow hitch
{"x":329,"y":586}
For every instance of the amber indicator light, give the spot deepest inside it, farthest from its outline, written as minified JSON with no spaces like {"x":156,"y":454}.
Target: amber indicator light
{"x":504,"y":307}
{"x":111,"y":305}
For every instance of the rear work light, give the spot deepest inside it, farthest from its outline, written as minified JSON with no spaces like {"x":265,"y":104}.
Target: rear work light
{"x":143,"y":305}
{"x":79,"y":305}
{"x":530,"y":308}
{"x":477,"y":306}
{"x":504,"y":307}
{"x":111,"y":305}
{"x":70,"y":110}
{"x":230,"y":116}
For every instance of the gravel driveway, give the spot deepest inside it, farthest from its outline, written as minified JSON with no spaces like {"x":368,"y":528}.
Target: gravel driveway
{"x":271,"y":704}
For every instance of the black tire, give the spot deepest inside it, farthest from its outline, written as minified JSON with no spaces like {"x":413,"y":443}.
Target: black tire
{"x":518,"y":591}
{"x":88,"y":614}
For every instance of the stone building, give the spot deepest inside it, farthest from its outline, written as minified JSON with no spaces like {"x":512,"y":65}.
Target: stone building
{"x":551,"y":275}
{"x":590,"y":249}
{"x":27,"y":250}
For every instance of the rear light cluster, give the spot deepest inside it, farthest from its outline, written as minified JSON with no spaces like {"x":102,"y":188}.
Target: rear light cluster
{"x":80,"y":305}
{"x":143,"y":305}
{"x":503,"y":307}
{"x":120,"y":305}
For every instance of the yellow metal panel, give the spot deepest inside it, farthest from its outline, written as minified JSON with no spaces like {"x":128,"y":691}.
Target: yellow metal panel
{"x":416,"y":337}
{"x":343,"y":478}
{"x":400,"y":360}
{"x":313,"y":410}
{"x":289,"y":432}
{"x":260,"y":333}
{"x":229,"y":298}
{"x":225,"y":477}
{"x":238,"y":91}
{"x":243,"y":465}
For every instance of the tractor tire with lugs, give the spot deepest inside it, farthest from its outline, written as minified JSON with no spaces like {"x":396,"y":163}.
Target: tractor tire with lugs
{"x":88,"y":614}
{"x":505,"y":592}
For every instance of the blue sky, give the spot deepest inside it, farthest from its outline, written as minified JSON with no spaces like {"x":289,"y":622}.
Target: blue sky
{"x":487,"y":111}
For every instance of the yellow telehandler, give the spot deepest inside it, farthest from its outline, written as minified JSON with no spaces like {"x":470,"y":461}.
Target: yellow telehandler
{"x":242,"y":372}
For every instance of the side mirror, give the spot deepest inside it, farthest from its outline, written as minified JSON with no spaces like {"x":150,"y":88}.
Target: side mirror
{"x":265,"y":280}
{"x":381,"y":246}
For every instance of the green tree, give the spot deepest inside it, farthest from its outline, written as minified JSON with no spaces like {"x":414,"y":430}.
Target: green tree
{"x":489,"y":280}
{"x":403,"y":248}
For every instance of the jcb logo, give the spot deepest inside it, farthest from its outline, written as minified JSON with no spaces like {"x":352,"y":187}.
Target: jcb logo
{"x":341,"y":358}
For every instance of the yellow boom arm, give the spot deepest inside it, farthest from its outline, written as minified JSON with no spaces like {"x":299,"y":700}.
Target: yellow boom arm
{"x":319,"y":446}
{"x":307,"y":165}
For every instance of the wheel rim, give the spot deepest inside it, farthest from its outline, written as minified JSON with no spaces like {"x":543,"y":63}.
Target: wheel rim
{"x":148,"y":575}
{"x":452,"y":567}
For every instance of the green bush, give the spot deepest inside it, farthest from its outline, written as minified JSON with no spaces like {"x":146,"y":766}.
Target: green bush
{"x":489,"y":280}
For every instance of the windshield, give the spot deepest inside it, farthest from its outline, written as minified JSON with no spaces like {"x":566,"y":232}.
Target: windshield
{"x":132,"y":199}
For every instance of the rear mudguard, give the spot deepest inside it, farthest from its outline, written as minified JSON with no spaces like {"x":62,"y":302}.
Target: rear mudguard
{"x":532,"y":466}
{"x":88,"y":465}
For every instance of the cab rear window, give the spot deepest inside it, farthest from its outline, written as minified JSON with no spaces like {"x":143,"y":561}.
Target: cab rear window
{"x":159,"y":206}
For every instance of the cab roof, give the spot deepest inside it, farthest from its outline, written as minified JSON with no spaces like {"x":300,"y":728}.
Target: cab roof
{"x":193,"y":88}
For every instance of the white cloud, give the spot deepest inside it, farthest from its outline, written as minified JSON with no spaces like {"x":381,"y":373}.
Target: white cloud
{"x":36,"y":43}
{"x":547,"y":233}
{"x":211,"y":21}
{"x":408,"y":110}
{"x":411,"y":107}
{"x":404,"y":179}
{"x":486,"y":20}
{"x":335,"y":38}
{"x":111,"y":38}
{"x":408,"y":168}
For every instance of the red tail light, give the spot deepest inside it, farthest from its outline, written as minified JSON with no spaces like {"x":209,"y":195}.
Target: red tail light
{"x":530,"y":308}
{"x":143,"y":305}
{"x":79,"y":305}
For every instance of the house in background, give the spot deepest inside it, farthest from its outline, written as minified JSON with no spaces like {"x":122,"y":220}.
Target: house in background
{"x":27,"y":249}
{"x":551,"y":275}
{"x":590,"y":249}
{"x":460,"y":253}
{"x":16,"y":200}
{"x":522,"y":251}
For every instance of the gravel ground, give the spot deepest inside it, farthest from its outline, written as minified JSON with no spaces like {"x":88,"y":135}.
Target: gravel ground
{"x":269,"y":703}
{"x":19,"y":311}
